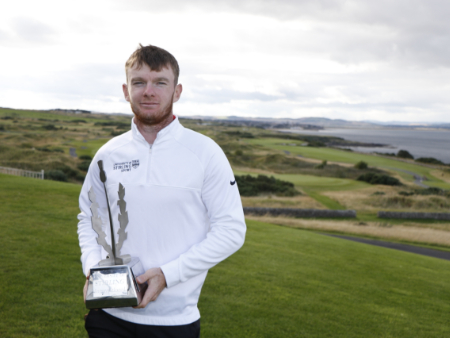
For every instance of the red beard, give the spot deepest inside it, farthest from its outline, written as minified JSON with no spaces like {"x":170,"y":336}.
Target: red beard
{"x":154,"y":119}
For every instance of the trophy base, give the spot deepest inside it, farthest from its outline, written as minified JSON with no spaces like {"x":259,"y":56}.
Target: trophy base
{"x":115,"y":285}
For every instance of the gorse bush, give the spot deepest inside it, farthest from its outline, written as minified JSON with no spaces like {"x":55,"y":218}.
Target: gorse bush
{"x":431,"y":191}
{"x":117,"y":124}
{"x":253,"y":186}
{"x":406,"y":193}
{"x":361,"y":165}
{"x":49,"y":127}
{"x":84,"y":165}
{"x":404,"y":154}
{"x":56,"y":175}
{"x":240,"y":134}
{"x":321,"y":165}
{"x":429,"y":160}
{"x":373,"y":178}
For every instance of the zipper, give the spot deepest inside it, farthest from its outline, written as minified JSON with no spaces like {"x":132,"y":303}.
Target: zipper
{"x":149,"y":162}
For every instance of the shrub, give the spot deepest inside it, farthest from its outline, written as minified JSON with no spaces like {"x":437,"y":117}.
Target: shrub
{"x":316,"y":144}
{"x":68,"y":171}
{"x":361,"y":165}
{"x":373,"y":178}
{"x":377,"y":193}
{"x":49,"y":127}
{"x":116,"y":133}
{"x":113,"y":123}
{"x":430,"y":191}
{"x":385,"y":154}
{"x":239,"y":152}
{"x":48,"y":150}
{"x":322,"y":165}
{"x":84,"y":165}
{"x":85,"y":157}
{"x":45,"y":149}
{"x":80,"y":177}
{"x":406,"y":193}
{"x":253,"y":186}
{"x":404,"y":154}
{"x":55,"y":175}
{"x":429,"y":160}
{"x":240,"y":134}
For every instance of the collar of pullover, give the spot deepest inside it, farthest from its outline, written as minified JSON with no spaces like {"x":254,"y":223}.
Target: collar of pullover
{"x":173,"y":127}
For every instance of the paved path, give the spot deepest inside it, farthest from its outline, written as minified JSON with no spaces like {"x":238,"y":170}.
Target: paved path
{"x":417,"y":178}
{"x":399,"y":246}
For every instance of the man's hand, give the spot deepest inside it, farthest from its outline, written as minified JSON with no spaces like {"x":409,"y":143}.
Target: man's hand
{"x":85,"y":288}
{"x":156,"y":283}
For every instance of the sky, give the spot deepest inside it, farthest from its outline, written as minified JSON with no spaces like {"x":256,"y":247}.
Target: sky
{"x":341,"y":59}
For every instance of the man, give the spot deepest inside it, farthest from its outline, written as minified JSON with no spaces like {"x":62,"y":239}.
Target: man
{"x":184,"y":209}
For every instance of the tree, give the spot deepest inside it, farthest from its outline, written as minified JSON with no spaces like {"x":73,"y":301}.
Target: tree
{"x":404,"y":154}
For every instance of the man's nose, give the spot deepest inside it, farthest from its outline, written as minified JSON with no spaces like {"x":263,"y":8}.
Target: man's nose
{"x":149,"y":90}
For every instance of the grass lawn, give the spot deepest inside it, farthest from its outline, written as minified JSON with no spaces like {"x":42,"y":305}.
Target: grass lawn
{"x":284,"y":282}
{"x":337,"y":155}
{"x":326,"y":201}
{"x":41,"y":278}
{"x":294,"y":283}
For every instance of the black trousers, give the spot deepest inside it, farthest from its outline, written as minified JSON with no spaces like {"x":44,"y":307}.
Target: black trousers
{"x":100,"y":324}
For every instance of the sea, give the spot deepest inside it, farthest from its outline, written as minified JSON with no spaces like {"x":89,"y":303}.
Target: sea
{"x":419,"y":143}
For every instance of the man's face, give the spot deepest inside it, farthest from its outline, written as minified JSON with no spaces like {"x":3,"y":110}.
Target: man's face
{"x":151,"y":94}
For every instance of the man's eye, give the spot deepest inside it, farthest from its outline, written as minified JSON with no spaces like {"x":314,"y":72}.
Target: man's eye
{"x":161,"y":83}
{"x":138,"y":83}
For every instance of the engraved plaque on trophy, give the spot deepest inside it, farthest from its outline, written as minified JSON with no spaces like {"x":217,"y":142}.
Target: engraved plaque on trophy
{"x":112,"y":282}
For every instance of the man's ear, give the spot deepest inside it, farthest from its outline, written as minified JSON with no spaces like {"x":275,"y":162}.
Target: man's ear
{"x":177,"y":93}
{"x":125,"y":92}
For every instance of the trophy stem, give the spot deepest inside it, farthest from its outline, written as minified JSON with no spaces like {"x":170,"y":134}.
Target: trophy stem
{"x":103,"y":179}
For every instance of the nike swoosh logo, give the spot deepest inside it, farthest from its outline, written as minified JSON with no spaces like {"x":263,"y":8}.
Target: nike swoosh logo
{"x":233,"y":183}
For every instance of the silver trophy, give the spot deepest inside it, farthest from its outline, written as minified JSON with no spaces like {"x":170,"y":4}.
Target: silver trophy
{"x":112,"y":281}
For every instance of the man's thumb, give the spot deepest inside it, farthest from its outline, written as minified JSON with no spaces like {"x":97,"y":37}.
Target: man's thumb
{"x":144,"y":277}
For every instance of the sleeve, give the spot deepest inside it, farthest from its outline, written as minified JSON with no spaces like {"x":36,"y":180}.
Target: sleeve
{"x":227,"y":232}
{"x":90,"y":249}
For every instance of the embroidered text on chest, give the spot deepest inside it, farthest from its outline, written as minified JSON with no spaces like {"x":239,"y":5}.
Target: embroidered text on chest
{"x":126,"y":166}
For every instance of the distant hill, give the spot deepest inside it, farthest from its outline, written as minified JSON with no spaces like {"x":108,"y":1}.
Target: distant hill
{"x":315,"y":122}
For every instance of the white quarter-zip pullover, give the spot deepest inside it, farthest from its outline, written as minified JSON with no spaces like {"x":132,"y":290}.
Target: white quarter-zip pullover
{"x":184,"y":209}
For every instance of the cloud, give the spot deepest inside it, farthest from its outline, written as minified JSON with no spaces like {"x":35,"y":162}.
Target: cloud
{"x":227,"y":95}
{"x":85,"y":81}
{"x":32,"y":31}
{"x":406,"y":33}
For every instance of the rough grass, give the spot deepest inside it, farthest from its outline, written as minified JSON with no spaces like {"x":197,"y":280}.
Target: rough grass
{"x":25,"y":136}
{"x":414,"y":233}
{"x":271,"y":201}
{"x":367,"y":199}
